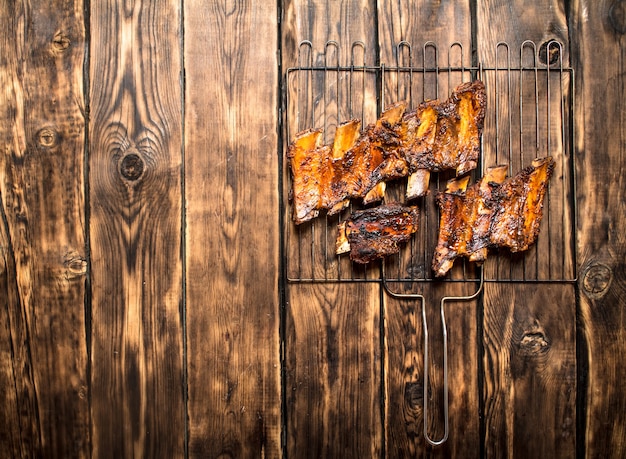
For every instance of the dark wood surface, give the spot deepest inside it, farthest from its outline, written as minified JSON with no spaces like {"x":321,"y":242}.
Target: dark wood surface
{"x":433,"y":33}
{"x":134,"y":201}
{"x":231,"y":230}
{"x":332,"y":350}
{"x":529,"y":340}
{"x":601,"y":242}
{"x":157,"y":301}
{"x":45,"y":365}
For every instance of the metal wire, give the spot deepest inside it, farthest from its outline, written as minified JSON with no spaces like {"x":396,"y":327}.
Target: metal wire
{"x":426,"y":355}
{"x":521,"y":124}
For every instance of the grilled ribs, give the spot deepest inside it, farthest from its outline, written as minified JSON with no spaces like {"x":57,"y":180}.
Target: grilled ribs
{"x":515,"y":222}
{"x":495,"y":212}
{"x":444,"y":135}
{"x":305,"y":160}
{"x":465,"y":219}
{"x":436,"y":136}
{"x":375,"y":233}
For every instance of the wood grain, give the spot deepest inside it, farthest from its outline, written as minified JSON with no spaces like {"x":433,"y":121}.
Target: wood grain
{"x":142,"y":308}
{"x":433,"y":34}
{"x":19,"y":431}
{"x":404,"y":374}
{"x":441,"y":22}
{"x":529,"y":345}
{"x":42,"y":241}
{"x":530,"y":371}
{"x":332,"y":339}
{"x":137,"y":378}
{"x":322,"y":21}
{"x":516,"y":21}
{"x":231,"y":193}
{"x":600,"y":149}
{"x":333,"y":365}
{"x":325,"y":35}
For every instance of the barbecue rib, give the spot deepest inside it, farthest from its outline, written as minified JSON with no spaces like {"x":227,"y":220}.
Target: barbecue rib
{"x":492,"y":213}
{"x":515,"y":222}
{"x":305,"y":160}
{"x":333,"y":184}
{"x":444,"y":135}
{"x":374,"y":159}
{"x":465,"y":217}
{"x":436,"y":136}
{"x":375,"y":233}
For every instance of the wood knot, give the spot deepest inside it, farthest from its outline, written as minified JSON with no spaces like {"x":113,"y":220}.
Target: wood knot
{"x":75,"y":265}
{"x":47,"y":137}
{"x":596,"y":280}
{"x":550,"y":52}
{"x":617,"y":16}
{"x":132,"y":166}
{"x":413,"y":394}
{"x":60,"y":42}
{"x":534,"y":343}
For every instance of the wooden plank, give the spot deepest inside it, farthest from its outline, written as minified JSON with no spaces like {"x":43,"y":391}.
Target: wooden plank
{"x":529,"y":340}
{"x":598,"y":30}
{"x":137,"y":379}
{"x":326,"y":35}
{"x":530,"y":371}
{"x":42,"y":241}
{"x":332,"y":339}
{"x":416,"y":23}
{"x":332,"y":366}
{"x":323,"y":21}
{"x":404,"y":339}
{"x":433,"y":34}
{"x":231,"y":183}
{"x":18,"y":428}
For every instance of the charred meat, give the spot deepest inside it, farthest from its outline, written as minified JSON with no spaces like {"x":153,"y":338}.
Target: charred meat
{"x":306,"y":156}
{"x":437,"y":135}
{"x":444,"y":135}
{"x":377,"y":232}
{"x":374,"y":158}
{"x":516,"y":220}
{"x":495,"y":212}
{"x":465,"y":219}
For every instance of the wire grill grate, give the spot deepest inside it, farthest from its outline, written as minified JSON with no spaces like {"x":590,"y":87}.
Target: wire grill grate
{"x":529,"y":114}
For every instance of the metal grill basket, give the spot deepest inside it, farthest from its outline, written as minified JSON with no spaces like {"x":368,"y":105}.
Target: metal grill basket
{"x":529,"y":114}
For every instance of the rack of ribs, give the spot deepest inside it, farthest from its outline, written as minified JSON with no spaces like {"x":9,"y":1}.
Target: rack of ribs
{"x":437,"y":135}
{"x":444,"y":135}
{"x":493,"y":213}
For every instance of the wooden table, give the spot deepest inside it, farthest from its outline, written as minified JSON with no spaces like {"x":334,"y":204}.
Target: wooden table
{"x":147,"y":302}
